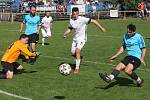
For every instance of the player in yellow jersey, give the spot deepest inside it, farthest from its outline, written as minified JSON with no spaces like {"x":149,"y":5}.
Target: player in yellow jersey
{"x":9,"y":58}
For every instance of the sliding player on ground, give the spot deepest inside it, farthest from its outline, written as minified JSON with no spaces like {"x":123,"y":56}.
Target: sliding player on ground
{"x":9,"y":58}
{"x":46,"y":27}
{"x":79,"y":25}
{"x":134,"y":43}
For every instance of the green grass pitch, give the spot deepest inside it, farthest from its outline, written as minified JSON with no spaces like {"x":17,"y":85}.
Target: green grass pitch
{"x":42,"y":81}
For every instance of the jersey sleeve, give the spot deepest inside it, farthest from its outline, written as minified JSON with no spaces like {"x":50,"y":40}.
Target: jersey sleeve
{"x":141,"y":42}
{"x":86,"y":20}
{"x":24,"y":49}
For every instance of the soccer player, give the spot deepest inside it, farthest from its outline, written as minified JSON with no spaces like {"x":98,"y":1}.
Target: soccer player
{"x":32,"y":22}
{"x":46,"y":26}
{"x":79,"y":25}
{"x":9,"y":58}
{"x":134,"y":43}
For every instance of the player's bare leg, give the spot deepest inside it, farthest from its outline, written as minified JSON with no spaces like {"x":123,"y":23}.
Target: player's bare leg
{"x":77,"y":69}
{"x":129,"y":71}
{"x":44,"y":38}
{"x":43,"y":41}
{"x":33,"y":45}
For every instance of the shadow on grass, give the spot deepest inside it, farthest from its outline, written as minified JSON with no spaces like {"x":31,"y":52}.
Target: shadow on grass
{"x":44,"y":43}
{"x":59,"y":97}
{"x":120,"y":81}
{"x":147,"y":38}
{"x":24,"y":71}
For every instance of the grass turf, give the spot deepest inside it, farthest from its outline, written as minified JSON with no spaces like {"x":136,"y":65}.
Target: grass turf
{"x":42,"y":81}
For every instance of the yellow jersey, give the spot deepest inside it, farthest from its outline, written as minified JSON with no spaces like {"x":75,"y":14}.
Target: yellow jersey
{"x":14,"y":50}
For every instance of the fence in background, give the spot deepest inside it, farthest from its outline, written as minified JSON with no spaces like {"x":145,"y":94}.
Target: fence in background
{"x":65,"y":16}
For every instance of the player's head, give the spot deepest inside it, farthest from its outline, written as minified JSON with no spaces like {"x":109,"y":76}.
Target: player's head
{"x":47,"y":14}
{"x":33,"y":10}
{"x":75,"y":11}
{"x":131,"y":29}
{"x":24,"y":38}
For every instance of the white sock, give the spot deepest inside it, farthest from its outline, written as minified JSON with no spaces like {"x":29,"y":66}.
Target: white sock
{"x":139,"y":79}
{"x":43,"y":39}
{"x":77,"y":63}
{"x":111,"y":76}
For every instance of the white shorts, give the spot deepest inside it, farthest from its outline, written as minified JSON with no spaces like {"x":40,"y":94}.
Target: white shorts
{"x":46,"y":32}
{"x":77,"y":44}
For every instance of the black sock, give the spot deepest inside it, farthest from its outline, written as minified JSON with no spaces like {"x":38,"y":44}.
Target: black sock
{"x":134,"y":76}
{"x":115,"y":73}
{"x":2,"y":76}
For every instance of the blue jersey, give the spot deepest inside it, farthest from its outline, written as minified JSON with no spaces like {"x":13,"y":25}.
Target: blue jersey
{"x":134,"y":44}
{"x":31,"y":24}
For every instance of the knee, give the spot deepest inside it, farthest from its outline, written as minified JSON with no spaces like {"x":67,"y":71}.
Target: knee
{"x":9,"y":75}
{"x":120,"y":67}
{"x":77,"y":51}
{"x":128,"y":72}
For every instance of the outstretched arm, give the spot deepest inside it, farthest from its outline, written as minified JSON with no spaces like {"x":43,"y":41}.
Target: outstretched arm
{"x":25,"y":50}
{"x":67,"y":32}
{"x":143,"y":56}
{"x":120,"y":51}
{"x":98,"y":25}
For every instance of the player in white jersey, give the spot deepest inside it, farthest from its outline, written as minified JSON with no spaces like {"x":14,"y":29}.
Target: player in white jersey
{"x":79,"y":25}
{"x":46,"y":27}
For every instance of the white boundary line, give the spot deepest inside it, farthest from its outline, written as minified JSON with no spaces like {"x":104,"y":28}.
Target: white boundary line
{"x":14,"y":95}
{"x":94,"y":62}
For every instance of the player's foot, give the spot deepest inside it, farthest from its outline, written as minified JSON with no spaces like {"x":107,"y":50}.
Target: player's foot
{"x":139,"y":83}
{"x":38,"y":54}
{"x":105,"y":77}
{"x":76,"y":71}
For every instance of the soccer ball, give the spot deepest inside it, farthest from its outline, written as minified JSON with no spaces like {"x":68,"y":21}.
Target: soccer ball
{"x":65,"y":69}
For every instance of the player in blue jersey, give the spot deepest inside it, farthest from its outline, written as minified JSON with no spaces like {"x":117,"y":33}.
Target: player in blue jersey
{"x":32,"y":23}
{"x":134,"y":43}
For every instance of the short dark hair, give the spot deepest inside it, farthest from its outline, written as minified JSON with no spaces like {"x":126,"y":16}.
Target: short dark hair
{"x":131,"y":27}
{"x":75,"y":9}
{"x":23,"y":36}
{"x":33,"y":6}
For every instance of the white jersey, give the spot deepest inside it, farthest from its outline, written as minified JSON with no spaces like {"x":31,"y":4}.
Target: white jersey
{"x":46,"y":21}
{"x":79,"y":25}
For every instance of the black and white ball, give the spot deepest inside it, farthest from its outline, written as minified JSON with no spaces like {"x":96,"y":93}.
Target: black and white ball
{"x":65,"y":69}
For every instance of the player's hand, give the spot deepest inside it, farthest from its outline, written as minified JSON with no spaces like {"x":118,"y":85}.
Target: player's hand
{"x":113,"y":58}
{"x":143,"y":61}
{"x":34,"y":54}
